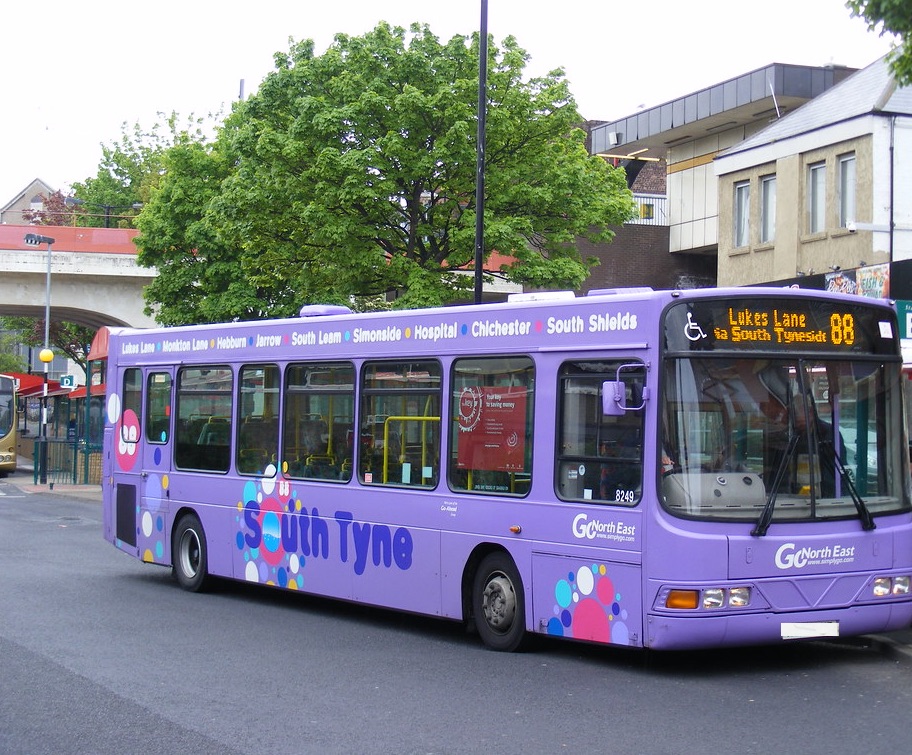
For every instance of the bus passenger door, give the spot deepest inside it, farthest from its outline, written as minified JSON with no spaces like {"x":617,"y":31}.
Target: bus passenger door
{"x":157,"y":434}
{"x":125,"y":411}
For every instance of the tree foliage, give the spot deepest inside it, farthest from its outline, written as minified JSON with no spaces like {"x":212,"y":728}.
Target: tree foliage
{"x":64,"y":337}
{"x":890,"y":17}
{"x":128,"y":170}
{"x":199,"y":276}
{"x":353,"y":173}
{"x":9,"y":360}
{"x":54,"y":211}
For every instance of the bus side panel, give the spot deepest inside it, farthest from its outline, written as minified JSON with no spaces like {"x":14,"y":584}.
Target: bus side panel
{"x":281,"y":535}
{"x":595,"y":600}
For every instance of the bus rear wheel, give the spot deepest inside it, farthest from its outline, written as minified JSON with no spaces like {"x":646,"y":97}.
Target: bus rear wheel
{"x":188,"y":554}
{"x":497,"y":603}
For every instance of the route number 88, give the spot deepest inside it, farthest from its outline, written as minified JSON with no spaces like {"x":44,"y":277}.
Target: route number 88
{"x":842,"y":329}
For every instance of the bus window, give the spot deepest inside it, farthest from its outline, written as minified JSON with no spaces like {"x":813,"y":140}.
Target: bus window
{"x":318,"y":434}
{"x":132,"y":402}
{"x":158,"y":408}
{"x":204,"y":418}
{"x":400,"y":423}
{"x":491,"y":425}
{"x":599,"y":457}
{"x":258,"y":419}
{"x":810,"y":434}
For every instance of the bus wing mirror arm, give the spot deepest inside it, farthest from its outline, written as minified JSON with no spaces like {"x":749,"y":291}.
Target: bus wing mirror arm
{"x":613,"y":398}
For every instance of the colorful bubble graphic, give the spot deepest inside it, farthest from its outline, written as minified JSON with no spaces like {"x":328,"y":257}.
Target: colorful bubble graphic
{"x":269,"y":561}
{"x":151,"y":529}
{"x":587,"y":607}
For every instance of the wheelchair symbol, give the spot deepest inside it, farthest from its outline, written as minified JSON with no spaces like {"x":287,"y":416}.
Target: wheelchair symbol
{"x":692,"y":330}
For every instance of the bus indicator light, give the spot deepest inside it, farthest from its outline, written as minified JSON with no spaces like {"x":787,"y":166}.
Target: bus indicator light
{"x":682,"y":599}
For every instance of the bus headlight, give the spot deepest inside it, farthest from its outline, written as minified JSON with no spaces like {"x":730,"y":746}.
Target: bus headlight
{"x":739,"y":597}
{"x":882,"y":586}
{"x":714,"y":597}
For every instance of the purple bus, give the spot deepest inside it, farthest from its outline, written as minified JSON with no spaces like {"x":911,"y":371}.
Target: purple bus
{"x":659,"y":469}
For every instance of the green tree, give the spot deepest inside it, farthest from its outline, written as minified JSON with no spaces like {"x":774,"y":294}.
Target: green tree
{"x":64,"y":337}
{"x":10,"y":361}
{"x":352,"y":174}
{"x":128,"y":170}
{"x":890,"y":17}
{"x":199,"y":277}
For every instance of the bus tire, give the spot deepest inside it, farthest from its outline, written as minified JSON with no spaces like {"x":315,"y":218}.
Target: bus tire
{"x":497,"y":603}
{"x":188,"y":554}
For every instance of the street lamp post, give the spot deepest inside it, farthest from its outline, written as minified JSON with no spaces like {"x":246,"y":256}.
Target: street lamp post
{"x":480,"y":150}
{"x":45,"y":355}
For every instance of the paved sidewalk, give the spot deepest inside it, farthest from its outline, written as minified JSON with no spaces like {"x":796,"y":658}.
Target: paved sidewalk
{"x":24,"y":479}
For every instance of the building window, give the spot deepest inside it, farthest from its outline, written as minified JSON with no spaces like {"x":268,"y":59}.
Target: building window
{"x":767,"y":209}
{"x":742,"y":214}
{"x":846,"y":189}
{"x":647,"y":211}
{"x":816,"y":191}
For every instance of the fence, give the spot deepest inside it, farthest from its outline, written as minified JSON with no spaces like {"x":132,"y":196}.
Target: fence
{"x":652,"y":209}
{"x":69,"y":462}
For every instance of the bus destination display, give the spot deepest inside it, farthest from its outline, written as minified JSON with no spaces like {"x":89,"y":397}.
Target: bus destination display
{"x":772,"y":324}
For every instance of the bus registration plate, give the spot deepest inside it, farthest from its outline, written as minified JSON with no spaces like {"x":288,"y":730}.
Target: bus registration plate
{"x":802,"y":630}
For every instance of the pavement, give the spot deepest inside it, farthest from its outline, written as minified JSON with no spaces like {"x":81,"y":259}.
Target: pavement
{"x":24,"y":479}
{"x":897,"y":644}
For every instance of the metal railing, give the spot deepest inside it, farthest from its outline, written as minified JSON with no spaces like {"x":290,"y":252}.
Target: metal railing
{"x":69,"y":462}
{"x":652,"y":209}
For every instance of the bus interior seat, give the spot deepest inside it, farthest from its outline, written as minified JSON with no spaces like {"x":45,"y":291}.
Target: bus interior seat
{"x":215,"y":432}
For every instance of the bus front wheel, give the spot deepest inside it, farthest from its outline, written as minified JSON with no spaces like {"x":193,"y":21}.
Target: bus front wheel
{"x":188,"y":554}
{"x":497,"y":603}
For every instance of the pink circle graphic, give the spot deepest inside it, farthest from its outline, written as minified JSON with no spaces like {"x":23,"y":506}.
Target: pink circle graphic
{"x":127,"y":440}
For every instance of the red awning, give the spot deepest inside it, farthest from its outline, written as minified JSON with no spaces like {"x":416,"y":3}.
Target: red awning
{"x":97,"y":390}
{"x":32,"y":384}
{"x":54,"y":389}
{"x":99,"y":347}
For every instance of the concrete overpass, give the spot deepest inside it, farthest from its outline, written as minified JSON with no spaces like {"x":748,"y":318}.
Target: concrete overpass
{"x":95,"y":280}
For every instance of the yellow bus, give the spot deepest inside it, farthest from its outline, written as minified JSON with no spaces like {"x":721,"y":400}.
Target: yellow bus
{"x":8,"y":425}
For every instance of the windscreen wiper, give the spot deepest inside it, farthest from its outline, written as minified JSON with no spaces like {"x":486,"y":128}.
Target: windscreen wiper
{"x":864,"y":513}
{"x":766,"y":516}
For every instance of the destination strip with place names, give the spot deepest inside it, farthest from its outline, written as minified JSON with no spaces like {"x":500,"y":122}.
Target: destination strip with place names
{"x":442,"y":331}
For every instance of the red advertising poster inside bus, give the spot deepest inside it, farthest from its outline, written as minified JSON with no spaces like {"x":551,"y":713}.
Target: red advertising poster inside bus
{"x":492,"y":428}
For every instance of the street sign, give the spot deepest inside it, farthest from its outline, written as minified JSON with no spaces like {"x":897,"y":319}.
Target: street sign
{"x":68,"y":381}
{"x":904,"y":310}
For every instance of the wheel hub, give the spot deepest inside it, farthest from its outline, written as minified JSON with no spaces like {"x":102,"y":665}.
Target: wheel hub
{"x":499,"y":603}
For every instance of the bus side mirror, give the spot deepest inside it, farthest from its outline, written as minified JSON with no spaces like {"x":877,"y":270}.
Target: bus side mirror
{"x":613,"y":393}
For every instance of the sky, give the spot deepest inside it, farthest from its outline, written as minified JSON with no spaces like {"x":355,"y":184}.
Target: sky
{"x":75,"y":72}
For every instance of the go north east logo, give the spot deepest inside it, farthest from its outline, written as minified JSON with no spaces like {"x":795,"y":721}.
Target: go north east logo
{"x":790,"y":557}
{"x":585,"y":528}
